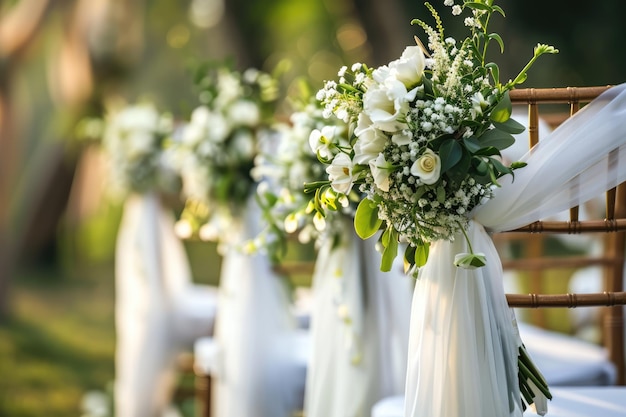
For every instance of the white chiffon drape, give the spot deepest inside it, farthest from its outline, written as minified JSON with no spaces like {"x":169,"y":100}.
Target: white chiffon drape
{"x":359,"y":328}
{"x":463,"y":341}
{"x":159,"y":312}
{"x":254,"y":332}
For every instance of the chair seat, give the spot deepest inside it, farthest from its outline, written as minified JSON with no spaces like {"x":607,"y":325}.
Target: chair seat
{"x":194,"y":313}
{"x":566,"y":402}
{"x":208,"y":361}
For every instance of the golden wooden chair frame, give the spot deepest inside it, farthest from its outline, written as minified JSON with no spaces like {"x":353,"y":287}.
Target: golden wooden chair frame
{"x":612,"y":227}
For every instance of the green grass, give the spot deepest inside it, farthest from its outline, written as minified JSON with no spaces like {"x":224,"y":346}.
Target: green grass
{"x":58,"y":343}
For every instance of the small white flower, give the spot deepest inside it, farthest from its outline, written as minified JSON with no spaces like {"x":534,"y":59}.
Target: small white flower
{"x":456,"y":10}
{"x":427,"y":168}
{"x":321,"y":141}
{"x":381,"y":169}
{"x":244,"y":113}
{"x":340,"y":173}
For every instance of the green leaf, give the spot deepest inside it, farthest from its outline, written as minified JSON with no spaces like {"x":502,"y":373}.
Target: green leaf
{"x":502,"y":112}
{"x":472,"y":144}
{"x":495,"y":71}
{"x":499,"y":10}
{"x":391,"y":249}
{"x":478,"y":6}
{"x":459,"y":172}
{"x":366,"y":221}
{"x":409,"y":258}
{"x":496,"y":138}
{"x":482,"y":168}
{"x":421,"y":254}
{"x":510,"y":126}
{"x":497,"y":38}
{"x":441,"y":195}
{"x":500,"y":167}
{"x":450,"y":153}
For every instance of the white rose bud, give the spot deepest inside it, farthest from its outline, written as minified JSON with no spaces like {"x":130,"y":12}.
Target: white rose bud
{"x":427,"y":167}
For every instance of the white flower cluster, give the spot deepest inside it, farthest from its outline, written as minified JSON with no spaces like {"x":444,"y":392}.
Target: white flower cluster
{"x":399,"y":122}
{"x":133,"y":140}
{"x":287,"y":165}
{"x":215,"y":150}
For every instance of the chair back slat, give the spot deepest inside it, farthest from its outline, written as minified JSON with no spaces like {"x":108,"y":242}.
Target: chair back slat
{"x":611,"y":228}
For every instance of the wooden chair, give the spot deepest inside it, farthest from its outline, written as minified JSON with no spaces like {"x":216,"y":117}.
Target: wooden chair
{"x":533,"y":261}
{"x":611,"y":229}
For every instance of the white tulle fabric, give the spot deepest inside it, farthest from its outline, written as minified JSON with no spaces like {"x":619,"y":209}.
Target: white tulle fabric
{"x":254,"y":332}
{"x":359,"y":329}
{"x":463,"y":341}
{"x":159,"y":312}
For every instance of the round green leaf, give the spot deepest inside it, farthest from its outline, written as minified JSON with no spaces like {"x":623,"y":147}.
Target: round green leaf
{"x":366,"y":221}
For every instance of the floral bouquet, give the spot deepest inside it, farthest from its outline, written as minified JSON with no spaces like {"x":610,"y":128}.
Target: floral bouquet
{"x":134,"y":138}
{"x":216,"y":148}
{"x":427,"y":131}
{"x":283,"y":167}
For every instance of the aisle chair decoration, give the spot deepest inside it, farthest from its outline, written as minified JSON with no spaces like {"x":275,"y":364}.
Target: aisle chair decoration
{"x":359,"y":315}
{"x":214,"y":153}
{"x":159,"y":312}
{"x":428,"y":129}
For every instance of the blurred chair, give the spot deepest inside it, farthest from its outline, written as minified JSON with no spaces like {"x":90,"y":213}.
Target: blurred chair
{"x":559,"y":355}
{"x":159,"y":311}
{"x":255,"y":363}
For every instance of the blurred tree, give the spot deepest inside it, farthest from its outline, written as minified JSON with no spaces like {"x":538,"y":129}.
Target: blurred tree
{"x":19,"y":26}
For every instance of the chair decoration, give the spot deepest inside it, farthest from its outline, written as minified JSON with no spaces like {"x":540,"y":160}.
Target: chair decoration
{"x":428,"y":131}
{"x":158,"y":311}
{"x":214,"y":152}
{"x":359,"y":315}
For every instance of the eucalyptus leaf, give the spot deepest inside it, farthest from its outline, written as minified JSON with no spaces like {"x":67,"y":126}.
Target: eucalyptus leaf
{"x":510,"y":126}
{"x":366,"y":221}
{"x":496,"y":138}
{"x":450,"y":153}
{"x":502,"y":111}
{"x":472,"y":144}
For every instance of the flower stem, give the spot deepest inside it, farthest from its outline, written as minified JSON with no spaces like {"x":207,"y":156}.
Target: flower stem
{"x":467,"y":239}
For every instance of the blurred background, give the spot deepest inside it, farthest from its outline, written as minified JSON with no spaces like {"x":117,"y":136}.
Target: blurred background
{"x":63,"y":60}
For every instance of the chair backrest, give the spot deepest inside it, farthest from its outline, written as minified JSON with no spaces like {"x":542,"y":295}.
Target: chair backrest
{"x":609,"y":228}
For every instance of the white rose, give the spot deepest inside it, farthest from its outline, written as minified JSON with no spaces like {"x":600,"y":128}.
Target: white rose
{"x":380,"y":171}
{"x":340,"y":173}
{"x":427,"y":167}
{"x":409,"y":69}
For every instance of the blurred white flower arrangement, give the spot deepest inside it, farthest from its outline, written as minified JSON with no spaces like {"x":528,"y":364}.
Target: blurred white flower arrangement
{"x":282,"y":169}
{"x":134,"y":138}
{"x":214,"y":150}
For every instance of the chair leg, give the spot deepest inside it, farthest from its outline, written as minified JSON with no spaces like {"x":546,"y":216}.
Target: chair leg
{"x":203,"y":395}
